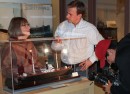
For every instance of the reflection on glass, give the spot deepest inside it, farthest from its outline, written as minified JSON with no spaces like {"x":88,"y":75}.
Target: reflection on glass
{"x":38,"y":15}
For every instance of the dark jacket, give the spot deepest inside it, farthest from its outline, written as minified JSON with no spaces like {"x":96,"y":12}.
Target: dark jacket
{"x":123,"y":62}
{"x":21,"y":59}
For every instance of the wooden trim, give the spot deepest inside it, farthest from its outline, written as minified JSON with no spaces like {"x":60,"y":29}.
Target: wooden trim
{"x":127,"y":17}
{"x":62,"y":10}
{"x":92,"y":11}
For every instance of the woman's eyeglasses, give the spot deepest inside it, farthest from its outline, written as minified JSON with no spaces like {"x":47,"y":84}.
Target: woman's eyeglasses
{"x":27,"y":24}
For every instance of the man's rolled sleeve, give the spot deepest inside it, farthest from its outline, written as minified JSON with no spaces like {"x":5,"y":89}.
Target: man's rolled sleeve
{"x":93,"y":58}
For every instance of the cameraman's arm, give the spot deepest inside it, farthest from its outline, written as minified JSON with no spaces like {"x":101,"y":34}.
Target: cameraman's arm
{"x":108,"y":87}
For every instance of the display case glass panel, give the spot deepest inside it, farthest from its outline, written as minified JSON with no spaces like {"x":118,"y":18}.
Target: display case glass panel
{"x":28,"y":64}
{"x":31,"y":62}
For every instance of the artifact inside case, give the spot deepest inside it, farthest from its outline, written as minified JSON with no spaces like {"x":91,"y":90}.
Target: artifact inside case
{"x":31,"y":63}
{"x":40,"y":78}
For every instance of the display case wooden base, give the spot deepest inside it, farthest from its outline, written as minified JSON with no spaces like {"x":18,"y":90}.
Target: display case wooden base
{"x":83,"y":86}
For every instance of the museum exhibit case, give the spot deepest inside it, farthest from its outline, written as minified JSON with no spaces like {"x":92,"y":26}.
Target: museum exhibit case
{"x":31,"y":63}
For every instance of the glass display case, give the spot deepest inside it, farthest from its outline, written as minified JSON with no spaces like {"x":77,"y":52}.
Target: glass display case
{"x":29,"y":63}
{"x":32,"y":63}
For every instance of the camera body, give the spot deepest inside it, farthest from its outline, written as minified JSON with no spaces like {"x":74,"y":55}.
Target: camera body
{"x":110,"y":73}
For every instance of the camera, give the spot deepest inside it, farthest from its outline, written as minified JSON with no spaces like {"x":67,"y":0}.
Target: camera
{"x":110,"y":73}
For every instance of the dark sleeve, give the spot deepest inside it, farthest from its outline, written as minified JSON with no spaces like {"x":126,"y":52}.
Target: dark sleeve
{"x":118,"y":90}
{"x":123,"y":63}
{"x":6,"y":63}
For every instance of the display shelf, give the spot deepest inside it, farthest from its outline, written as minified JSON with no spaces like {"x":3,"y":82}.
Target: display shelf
{"x":74,"y":86}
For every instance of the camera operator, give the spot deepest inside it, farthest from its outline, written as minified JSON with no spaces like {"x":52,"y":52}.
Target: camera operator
{"x":119,"y":56}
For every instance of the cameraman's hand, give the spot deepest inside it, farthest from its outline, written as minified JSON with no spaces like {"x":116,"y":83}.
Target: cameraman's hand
{"x":85,"y":64}
{"x":107,"y":87}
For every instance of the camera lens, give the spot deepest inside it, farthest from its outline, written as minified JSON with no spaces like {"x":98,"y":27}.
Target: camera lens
{"x":101,"y":79}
